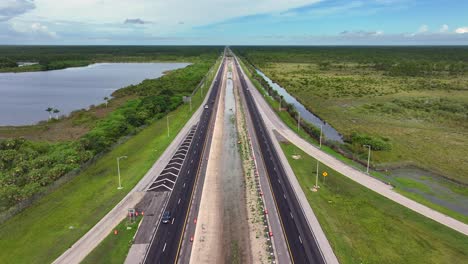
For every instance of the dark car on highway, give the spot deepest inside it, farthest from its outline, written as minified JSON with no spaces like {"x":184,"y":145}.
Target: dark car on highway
{"x":166,"y":218}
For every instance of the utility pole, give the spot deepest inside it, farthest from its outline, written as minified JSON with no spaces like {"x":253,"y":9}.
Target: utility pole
{"x":118,"y":170}
{"x":368,"y":158}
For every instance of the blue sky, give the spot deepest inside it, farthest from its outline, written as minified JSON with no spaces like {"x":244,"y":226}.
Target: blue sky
{"x":251,"y":22}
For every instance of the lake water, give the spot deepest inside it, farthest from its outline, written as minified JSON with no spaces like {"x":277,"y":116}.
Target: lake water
{"x":25,"y":96}
{"x":328,"y":131}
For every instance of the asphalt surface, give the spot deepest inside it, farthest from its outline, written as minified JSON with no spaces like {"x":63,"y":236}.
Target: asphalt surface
{"x":301,"y":243}
{"x":165,"y":245}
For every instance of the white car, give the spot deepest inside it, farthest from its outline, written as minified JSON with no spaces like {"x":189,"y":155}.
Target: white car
{"x":206,"y":106}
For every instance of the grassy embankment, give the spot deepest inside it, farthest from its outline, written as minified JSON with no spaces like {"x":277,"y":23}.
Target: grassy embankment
{"x":402,"y":185}
{"x":114,"y":248}
{"x":365,"y":227}
{"x":70,"y":127}
{"x":60,"y":218}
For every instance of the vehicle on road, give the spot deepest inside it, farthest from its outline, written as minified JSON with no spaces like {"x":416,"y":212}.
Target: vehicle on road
{"x":166,"y":218}
{"x":206,"y":106}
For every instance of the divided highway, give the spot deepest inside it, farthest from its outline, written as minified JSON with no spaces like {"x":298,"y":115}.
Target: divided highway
{"x":166,"y":242}
{"x":301,"y":242}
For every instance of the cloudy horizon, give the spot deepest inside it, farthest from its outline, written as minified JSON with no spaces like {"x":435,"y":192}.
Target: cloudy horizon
{"x":222,"y":22}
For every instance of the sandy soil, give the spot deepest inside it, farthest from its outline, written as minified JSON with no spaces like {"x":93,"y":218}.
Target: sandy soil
{"x":223,"y":233}
{"x":254,"y":212}
{"x":207,"y":244}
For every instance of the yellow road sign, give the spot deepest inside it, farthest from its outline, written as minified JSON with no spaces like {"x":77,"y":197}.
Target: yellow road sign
{"x":325,"y":174}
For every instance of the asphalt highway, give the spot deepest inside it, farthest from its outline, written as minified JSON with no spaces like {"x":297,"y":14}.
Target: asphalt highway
{"x":165,"y":244}
{"x":301,"y":243}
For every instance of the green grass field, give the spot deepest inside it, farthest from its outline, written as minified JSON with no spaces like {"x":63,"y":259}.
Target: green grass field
{"x":416,"y":119}
{"x":42,"y":232}
{"x":365,"y":227}
{"x":399,"y":183}
{"x":114,"y":248}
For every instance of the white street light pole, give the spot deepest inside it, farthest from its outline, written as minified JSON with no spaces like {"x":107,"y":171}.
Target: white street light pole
{"x":368,"y":158}
{"x":118,"y":170}
{"x":190,"y":103}
{"x":321,"y":127}
{"x":298,"y":121}
{"x":167,"y":119}
{"x":316,"y":177}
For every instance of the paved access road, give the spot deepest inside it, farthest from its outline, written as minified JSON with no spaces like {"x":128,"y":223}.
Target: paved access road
{"x":165,"y":246}
{"x":273,"y":122}
{"x":302,"y":245}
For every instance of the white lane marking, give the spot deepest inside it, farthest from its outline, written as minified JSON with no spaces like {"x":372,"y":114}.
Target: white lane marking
{"x":164,"y":248}
{"x":178,"y":201}
{"x":300,"y":239}
{"x":291,"y":215}
{"x":184,"y":185}
{"x":284,"y":195}
{"x":173,"y":221}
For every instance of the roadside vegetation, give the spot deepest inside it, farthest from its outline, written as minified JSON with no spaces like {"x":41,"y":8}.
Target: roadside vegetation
{"x":115,"y":247}
{"x":415,"y":120}
{"x":55,"y":221}
{"x":27,"y":166}
{"x":365,"y":227}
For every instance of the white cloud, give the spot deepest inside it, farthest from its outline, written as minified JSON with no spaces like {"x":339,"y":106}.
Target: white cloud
{"x":162,"y":12}
{"x":444,"y":28}
{"x":362,"y":33}
{"x":423,"y":29}
{"x":461,"y":30}
{"x":35,"y":29}
{"x":12,"y":8}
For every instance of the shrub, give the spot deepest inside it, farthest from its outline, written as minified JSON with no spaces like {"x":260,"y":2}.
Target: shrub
{"x":376,"y":143}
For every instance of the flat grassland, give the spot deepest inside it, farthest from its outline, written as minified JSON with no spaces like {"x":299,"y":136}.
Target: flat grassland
{"x":416,"y":99}
{"x":365,"y":227}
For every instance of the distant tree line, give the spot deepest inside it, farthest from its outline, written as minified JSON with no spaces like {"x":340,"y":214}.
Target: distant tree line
{"x":393,"y":61}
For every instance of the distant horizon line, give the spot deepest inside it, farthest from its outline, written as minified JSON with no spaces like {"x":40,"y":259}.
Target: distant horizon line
{"x":237,"y":45}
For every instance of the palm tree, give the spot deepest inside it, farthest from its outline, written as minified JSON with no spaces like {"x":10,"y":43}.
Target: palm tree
{"x":56,"y":111}
{"x":49,"y":110}
{"x":107,"y":100}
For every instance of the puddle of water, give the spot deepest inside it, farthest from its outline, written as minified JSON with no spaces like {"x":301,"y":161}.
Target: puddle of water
{"x":328,"y":131}
{"x":236,"y":234}
{"x":430,"y":186}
